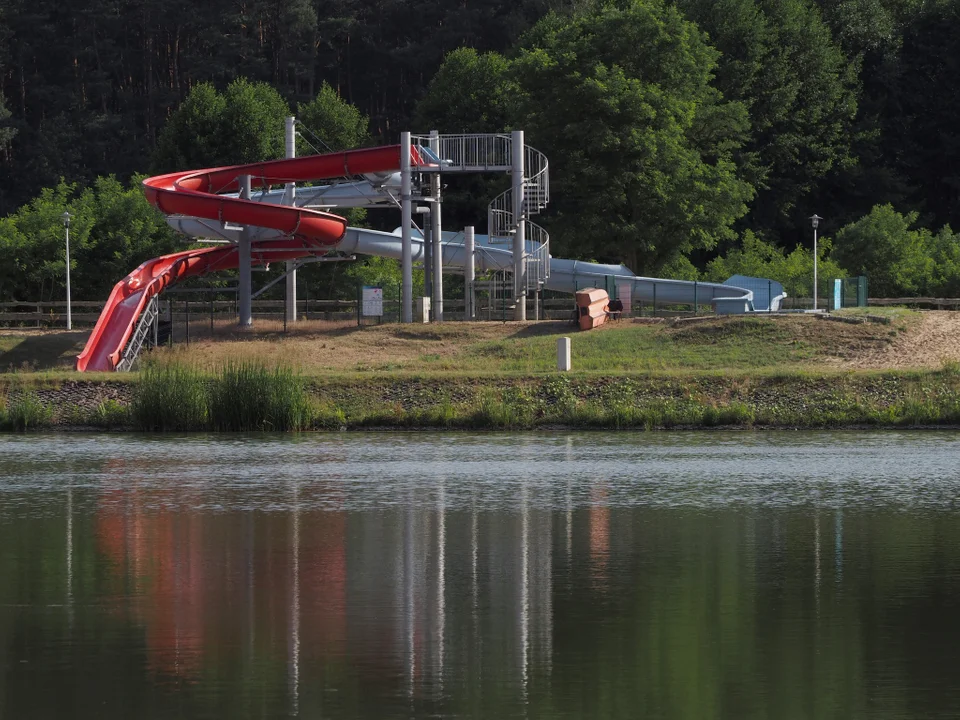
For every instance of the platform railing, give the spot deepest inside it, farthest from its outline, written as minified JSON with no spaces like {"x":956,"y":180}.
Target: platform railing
{"x":477,"y":152}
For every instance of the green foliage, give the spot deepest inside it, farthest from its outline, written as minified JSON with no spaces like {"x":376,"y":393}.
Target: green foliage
{"x":249,"y":396}
{"x":239,"y":397}
{"x":793,"y":270}
{"x":113,"y":230}
{"x":620,"y":99}
{"x":110,"y":414}
{"x":244,"y":124}
{"x":337,"y":124}
{"x":385,"y":273}
{"x":25,"y":411}
{"x":898,"y":260}
{"x":170,"y":398}
{"x":471,"y":92}
{"x":921,"y":135}
{"x":7,"y":131}
{"x":779,"y":60}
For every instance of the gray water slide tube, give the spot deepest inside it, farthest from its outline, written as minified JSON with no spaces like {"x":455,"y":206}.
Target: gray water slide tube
{"x":565,"y":275}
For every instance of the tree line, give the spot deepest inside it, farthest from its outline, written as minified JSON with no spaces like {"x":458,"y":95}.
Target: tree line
{"x":687,"y":138}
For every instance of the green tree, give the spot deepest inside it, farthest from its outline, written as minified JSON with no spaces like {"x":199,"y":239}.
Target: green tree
{"x":794,"y":270}
{"x":244,"y":124}
{"x":125,"y":230}
{"x":620,"y":99}
{"x":920,"y":126}
{"x":896,"y":259}
{"x":945,"y":274}
{"x":7,"y":131}
{"x":113,"y":230}
{"x":471,"y":92}
{"x":333,"y":123}
{"x":779,"y":59}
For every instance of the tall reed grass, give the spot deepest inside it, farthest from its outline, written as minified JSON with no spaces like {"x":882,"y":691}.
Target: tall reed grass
{"x":170,"y":398}
{"x":250,"y":396}
{"x":242,"y":396}
{"x":25,"y":411}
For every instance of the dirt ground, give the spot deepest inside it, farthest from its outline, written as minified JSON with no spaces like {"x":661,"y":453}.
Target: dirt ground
{"x":932,"y":338}
{"x":344,"y":346}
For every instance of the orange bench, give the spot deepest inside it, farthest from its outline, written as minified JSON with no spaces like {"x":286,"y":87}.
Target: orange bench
{"x":592,"y":306}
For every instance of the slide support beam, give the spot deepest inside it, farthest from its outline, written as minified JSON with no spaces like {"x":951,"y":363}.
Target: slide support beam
{"x":290,"y":195}
{"x":519,"y":238}
{"x":436,"y":235}
{"x":244,"y":264}
{"x":406,"y":238}
{"x":469,"y":274}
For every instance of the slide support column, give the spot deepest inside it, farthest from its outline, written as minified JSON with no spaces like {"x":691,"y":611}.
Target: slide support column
{"x":469,"y":274}
{"x":406,"y":240}
{"x":244,"y":264}
{"x":519,"y":238}
{"x":436,"y":235}
{"x":290,"y":195}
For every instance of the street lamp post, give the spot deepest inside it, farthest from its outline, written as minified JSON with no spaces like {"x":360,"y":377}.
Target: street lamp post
{"x":66,"y":227}
{"x":815,"y":221}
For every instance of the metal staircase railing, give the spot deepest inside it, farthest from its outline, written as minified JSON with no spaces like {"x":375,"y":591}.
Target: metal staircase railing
{"x":494,"y":153}
{"x":140,"y":335}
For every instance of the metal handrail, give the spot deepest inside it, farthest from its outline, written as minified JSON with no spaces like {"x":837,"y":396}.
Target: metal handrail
{"x":139,"y":336}
{"x":484,"y":152}
{"x":538,"y":260}
{"x":477,"y":151}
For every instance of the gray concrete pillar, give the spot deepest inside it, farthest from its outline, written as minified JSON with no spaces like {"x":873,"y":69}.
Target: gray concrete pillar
{"x":290,"y":195}
{"x":406,"y":239}
{"x":436,"y":233}
{"x":469,"y":275}
{"x":244,"y":264}
{"x":519,"y":238}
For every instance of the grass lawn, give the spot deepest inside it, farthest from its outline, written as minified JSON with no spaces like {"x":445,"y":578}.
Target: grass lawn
{"x":754,"y":344}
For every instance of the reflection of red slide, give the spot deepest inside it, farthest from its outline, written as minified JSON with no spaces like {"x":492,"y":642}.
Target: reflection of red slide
{"x":194,"y":193}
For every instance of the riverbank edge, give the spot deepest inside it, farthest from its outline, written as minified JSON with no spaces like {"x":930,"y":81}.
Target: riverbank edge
{"x":789,"y":400}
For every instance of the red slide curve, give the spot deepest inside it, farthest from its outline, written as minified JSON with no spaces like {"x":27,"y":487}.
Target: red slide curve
{"x":195,"y":193}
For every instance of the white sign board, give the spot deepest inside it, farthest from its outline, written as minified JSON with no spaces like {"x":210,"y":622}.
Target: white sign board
{"x":372,"y":301}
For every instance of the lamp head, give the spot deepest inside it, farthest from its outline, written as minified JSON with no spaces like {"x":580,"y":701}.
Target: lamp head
{"x":815,"y":220}
{"x":66,"y":219}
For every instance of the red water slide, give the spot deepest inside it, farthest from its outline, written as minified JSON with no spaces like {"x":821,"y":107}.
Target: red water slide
{"x":197,"y":193}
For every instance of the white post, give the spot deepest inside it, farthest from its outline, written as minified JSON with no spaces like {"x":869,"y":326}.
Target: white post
{"x":245,"y":288}
{"x":815,"y":221}
{"x":814,"y":267}
{"x":66,"y":226}
{"x":469,"y":274}
{"x":290,"y":195}
{"x":435,"y":225}
{"x":406,"y":261}
{"x":563,"y":354}
{"x":519,"y":238}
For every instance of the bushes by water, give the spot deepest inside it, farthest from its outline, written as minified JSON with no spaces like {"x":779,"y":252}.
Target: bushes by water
{"x":238,"y":397}
{"x":170,"y":397}
{"x":24,"y":411}
{"x":248,"y":396}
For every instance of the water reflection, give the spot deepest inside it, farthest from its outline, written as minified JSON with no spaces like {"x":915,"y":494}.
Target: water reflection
{"x":386,"y":576}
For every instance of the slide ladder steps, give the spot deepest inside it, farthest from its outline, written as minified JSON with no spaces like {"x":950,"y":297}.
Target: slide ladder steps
{"x":140,"y":336}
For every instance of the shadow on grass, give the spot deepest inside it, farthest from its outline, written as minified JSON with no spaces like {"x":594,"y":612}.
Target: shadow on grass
{"x":44,"y":352}
{"x":546,"y":328}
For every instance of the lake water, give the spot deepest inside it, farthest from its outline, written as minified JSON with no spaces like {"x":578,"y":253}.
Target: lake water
{"x":408,"y":575}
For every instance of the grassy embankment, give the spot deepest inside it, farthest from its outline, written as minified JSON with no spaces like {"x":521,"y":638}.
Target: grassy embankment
{"x":779,"y":372}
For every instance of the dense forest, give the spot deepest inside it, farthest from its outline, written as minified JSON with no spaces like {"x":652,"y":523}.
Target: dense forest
{"x":687,"y":138}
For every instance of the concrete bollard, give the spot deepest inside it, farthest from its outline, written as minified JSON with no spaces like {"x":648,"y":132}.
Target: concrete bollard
{"x":563,"y":353}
